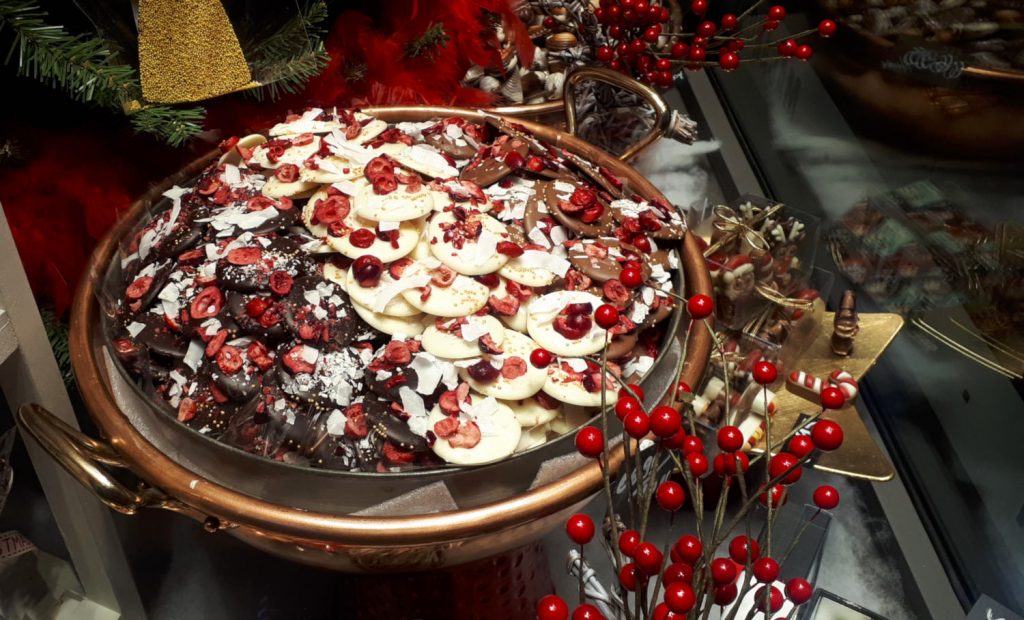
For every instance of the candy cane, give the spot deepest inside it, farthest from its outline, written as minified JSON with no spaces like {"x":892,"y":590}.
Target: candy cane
{"x":804,"y":384}
{"x":845,"y":382}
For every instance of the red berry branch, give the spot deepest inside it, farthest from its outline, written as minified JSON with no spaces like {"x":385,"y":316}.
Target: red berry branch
{"x":632,"y":38}
{"x":683,"y":578}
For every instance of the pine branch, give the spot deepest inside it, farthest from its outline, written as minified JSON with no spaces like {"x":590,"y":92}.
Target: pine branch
{"x":173,"y":125}
{"x":286,"y":59}
{"x":288,"y":75}
{"x":81,"y":66}
{"x":57,"y":334}
{"x":432,"y":37}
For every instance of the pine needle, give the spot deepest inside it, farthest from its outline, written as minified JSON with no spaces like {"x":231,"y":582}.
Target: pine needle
{"x":57,"y":334}
{"x":432,"y":37}
{"x":288,"y":58}
{"x":173,"y":125}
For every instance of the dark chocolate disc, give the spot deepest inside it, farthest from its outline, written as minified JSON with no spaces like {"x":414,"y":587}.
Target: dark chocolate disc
{"x":331,"y":319}
{"x":383,"y":421}
{"x":270,"y":327}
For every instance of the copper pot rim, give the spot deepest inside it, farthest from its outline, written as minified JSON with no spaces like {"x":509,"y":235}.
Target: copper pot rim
{"x":152,"y":465}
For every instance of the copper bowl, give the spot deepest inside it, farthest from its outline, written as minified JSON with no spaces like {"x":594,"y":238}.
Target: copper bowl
{"x":277,"y":507}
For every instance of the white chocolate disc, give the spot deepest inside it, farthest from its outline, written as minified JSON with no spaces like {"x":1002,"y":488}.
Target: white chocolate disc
{"x":499,"y":434}
{"x":276,"y":188}
{"x":369,"y":131}
{"x":464,"y":297}
{"x":408,"y":233}
{"x":573,"y":417}
{"x":427,"y":160}
{"x":523,"y":386}
{"x":397,"y":206}
{"x":292,"y":155}
{"x":567,"y":390}
{"x":451,"y":346}
{"x":476,"y":256}
{"x":530,"y":413}
{"x":541,"y":314}
{"x":390,"y":325}
{"x":533,"y":268}
{"x":333,"y":169}
{"x":532,"y":437}
{"x":367,"y":296}
{"x":234,"y":157}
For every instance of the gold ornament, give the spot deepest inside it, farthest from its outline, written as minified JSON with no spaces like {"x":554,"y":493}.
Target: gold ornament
{"x":188,"y":51}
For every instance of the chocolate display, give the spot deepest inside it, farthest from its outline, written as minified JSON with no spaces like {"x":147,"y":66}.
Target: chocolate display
{"x":350,"y":294}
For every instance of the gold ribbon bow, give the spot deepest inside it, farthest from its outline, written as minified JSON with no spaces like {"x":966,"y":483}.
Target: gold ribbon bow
{"x":732,"y":226}
{"x":779,"y":299}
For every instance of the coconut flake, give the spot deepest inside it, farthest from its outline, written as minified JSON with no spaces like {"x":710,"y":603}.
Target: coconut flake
{"x":134,"y":328}
{"x":232,"y":176}
{"x":194,"y":355}
{"x":347,"y":187}
{"x":428,"y":374}
{"x":576,"y":363}
{"x":386,"y":226}
{"x":537,"y":236}
{"x":387,"y":292}
{"x":312,"y":297}
{"x":309,"y":354}
{"x":412,"y":402}
{"x":336,"y":423}
{"x":474,"y":328}
{"x":431,"y":159}
{"x":486,"y":247}
{"x":538,"y":259}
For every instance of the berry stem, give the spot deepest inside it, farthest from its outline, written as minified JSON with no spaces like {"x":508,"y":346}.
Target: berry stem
{"x":583,"y":595}
{"x":767,"y":471}
{"x":725,"y":371}
{"x":606,"y":469}
{"x":796,"y":537}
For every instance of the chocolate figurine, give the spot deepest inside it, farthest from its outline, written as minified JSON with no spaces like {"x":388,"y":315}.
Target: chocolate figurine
{"x":845,"y":327}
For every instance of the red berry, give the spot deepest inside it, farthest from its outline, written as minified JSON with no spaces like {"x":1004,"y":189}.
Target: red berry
{"x":698,"y":463}
{"x":778,"y":496}
{"x":826,"y":497}
{"x":677,"y":572}
{"x":679,"y":597}
{"x":662,"y":612}
{"x":693,"y":444}
{"x":580,"y":528}
{"x":729,"y":21}
{"x":766,"y":570}
{"x":725,"y":594}
{"x":586,"y":611}
{"x":771,"y":24}
{"x":728,"y":60}
{"x":804,"y":52}
{"x":629,"y":541}
{"x":740,"y":546}
{"x":781,"y":463}
{"x":636,"y":424}
{"x":788,"y":48}
{"x":625,"y":406}
{"x":683,"y":388}
{"x":590,"y":442}
{"x":665,"y":78}
{"x":697,"y":54}
{"x":723,"y":571}
{"x":606,"y":316}
{"x":605,"y":53}
{"x":665,"y":421}
{"x":731,"y":463}
{"x":675,"y":442}
{"x":827,"y":435}
{"x":826,"y":28}
{"x":552,"y":607}
{"x":689,"y":548}
{"x":636,"y":47}
{"x":765,"y":372}
{"x":735,"y":45}
{"x":730,"y":438}
{"x":678,"y":50}
{"x":707,"y":29}
{"x":800,"y":446}
{"x":632,"y":389}
{"x":699,"y":7}
{"x":799,"y":590}
{"x":648,"y":558}
{"x":670,"y":496}
{"x":550,"y":22}
{"x":700,"y":306}
{"x":615,"y":32}
{"x":663,"y":14}
{"x":540,"y":358}
{"x":630,"y":577}
{"x":832,"y":398}
{"x":774,"y":598}
{"x":599,"y":15}
{"x":651,"y":35}
{"x":663,"y":64}
{"x":777,"y":13}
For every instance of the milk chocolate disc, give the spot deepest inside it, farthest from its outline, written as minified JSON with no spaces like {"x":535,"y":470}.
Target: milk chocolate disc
{"x":604,"y":224}
{"x":602,"y":259}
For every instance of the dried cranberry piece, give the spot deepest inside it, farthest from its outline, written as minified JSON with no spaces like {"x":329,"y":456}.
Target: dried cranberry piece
{"x":257,"y":306}
{"x":270,"y":317}
{"x":449,"y":402}
{"x":642,"y":243}
{"x":207,"y":303}
{"x":229,"y":359}
{"x":244,"y":256}
{"x":367,"y":271}
{"x":616,"y":292}
{"x":302,"y":139}
{"x":216,"y":343}
{"x":468,"y":436}
{"x":294,"y":362}
{"x":284,"y":203}
{"x":259,"y":355}
{"x":579,"y":308}
{"x":397,"y":268}
{"x":490,"y":280}
{"x":377,"y":166}
{"x":443,"y":276}
{"x":583,"y":197}
{"x":446,"y":427}
{"x":259,"y":203}
{"x":505,"y":306}
{"x":592,"y":214}
{"x":513,"y":368}
{"x":281,"y":282}
{"x":573,"y":327}
{"x":139,"y":287}
{"x":187,"y":409}
{"x":362,"y":238}
{"x":395,"y":455}
{"x":287,"y":173}
{"x":649,"y":221}
{"x":535,"y":164}
{"x":192,"y":256}
{"x":330,"y":210}
{"x":483,"y":371}
{"x":514,"y":160}
{"x":509,"y":249}
{"x":397,"y":352}
{"x":384,"y":184}
{"x":228,"y":144}
{"x":355,"y":421}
